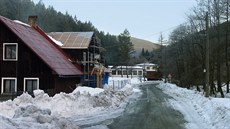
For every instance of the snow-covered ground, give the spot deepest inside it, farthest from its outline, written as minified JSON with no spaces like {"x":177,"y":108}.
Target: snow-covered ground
{"x":200,"y":112}
{"x":65,"y":110}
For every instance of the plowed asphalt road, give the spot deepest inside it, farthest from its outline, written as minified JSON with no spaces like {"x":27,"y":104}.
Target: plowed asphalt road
{"x":150,"y":111}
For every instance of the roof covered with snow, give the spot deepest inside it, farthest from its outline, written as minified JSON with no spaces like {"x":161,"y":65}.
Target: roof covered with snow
{"x":129,"y":67}
{"x":147,"y":64}
{"x":73,"y":40}
{"x":42,"y":46}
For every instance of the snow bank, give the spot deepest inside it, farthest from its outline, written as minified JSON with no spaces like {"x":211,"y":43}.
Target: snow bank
{"x":31,"y":117}
{"x":43,"y":111}
{"x":208,"y":113}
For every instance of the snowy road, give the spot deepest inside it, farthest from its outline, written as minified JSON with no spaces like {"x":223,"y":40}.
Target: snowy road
{"x":149,"y":112}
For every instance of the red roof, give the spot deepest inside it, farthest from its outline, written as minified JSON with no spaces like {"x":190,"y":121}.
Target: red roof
{"x":43,"y":47}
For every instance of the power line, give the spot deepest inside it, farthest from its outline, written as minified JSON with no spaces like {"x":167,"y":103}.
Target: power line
{"x":160,"y":32}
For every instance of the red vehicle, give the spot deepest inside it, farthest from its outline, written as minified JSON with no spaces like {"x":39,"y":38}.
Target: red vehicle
{"x":153,"y":75}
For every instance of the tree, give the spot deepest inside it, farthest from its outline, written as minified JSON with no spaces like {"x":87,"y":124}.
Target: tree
{"x":126,"y":48}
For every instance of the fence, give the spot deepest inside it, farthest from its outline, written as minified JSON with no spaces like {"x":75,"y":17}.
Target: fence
{"x":118,"y":84}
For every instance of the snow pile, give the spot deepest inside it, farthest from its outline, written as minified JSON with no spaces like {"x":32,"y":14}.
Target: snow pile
{"x":31,"y":117}
{"x":43,"y":111}
{"x":208,"y":113}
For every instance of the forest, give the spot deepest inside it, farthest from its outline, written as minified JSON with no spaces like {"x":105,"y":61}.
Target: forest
{"x":185,"y":55}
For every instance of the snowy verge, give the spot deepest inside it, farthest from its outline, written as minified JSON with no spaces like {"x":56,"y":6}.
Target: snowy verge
{"x":43,"y":111}
{"x":200,"y":112}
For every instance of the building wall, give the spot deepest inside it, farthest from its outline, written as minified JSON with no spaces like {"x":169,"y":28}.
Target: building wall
{"x":133,"y":72}
{"x":63,"y":84}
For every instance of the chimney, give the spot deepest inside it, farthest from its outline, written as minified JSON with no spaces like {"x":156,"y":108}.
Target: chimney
{"x":32,"y":21}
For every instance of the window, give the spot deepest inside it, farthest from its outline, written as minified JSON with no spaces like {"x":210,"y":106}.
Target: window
{"x":114,"y":72}
{"x":134,"y":72}
{"x":31,"y":84}
{"x":124,"y":72}
{"x":129,"y":72}
{"x":8,"y":85}
{"x":139,"y":72}
{"x":119,"y":72}
{"x":10,"y":51}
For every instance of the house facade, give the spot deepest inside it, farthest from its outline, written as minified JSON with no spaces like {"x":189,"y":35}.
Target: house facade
{"x":30,"y":60}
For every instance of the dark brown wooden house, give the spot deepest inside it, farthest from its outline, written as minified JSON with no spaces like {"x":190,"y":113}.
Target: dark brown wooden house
{"x":30,"y":60}
{"x":84,"y":48}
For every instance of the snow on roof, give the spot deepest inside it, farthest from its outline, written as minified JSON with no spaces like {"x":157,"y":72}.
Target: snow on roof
{"x":146,"y":64}
{"x":129,"y":67}
{"x":55,"y":41}
{"x":22,"y":23}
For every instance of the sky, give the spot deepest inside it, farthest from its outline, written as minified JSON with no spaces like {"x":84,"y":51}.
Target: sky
{"x":145,"y":19}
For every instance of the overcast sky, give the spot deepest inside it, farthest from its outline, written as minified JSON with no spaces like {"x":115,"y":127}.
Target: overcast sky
{"x":144,"y":19}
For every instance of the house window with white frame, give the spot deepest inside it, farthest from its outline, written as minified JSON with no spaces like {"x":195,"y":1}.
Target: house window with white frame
{"x":10,"y":51}
{"x":8,"y":85}
{"x":31,"y":84}
{"x":139,"y":72}
{"x":134,"y":72}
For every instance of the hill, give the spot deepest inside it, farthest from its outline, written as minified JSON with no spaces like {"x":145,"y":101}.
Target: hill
{"x":139,"y":44}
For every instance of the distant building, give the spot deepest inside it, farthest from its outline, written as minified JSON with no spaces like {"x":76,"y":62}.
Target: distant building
{"x":134,"y":71}
{"x":148,"y":66}
{"x":30,"y":60}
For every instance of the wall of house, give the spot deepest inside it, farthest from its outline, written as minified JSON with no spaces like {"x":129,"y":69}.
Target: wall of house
{"x":66,"y":84}
{"x":28,"y":64}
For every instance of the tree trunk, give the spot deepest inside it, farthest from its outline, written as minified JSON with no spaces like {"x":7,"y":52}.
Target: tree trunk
{"x":218,"y":55}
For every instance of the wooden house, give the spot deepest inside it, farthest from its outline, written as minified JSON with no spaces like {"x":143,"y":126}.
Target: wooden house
{"x":30,"y":60}
{"x":84,"y":48}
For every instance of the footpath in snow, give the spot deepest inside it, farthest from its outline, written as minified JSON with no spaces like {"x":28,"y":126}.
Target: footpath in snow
{"x":200,"y":112}
{"x":43,"y":111}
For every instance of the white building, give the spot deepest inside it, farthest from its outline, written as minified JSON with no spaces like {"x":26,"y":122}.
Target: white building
{"x":148,"y":66}
{"x":135,"y":71}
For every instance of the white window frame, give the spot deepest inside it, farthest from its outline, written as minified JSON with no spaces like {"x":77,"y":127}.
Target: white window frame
{"x":29,"y":78}
{"x":4,"y":44}
{"x":8,"y":78}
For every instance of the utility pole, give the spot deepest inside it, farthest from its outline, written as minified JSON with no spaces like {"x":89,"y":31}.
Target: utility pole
{"x":226,"y":50}
{"x":207,"y":90}
{"x":161,"y":64}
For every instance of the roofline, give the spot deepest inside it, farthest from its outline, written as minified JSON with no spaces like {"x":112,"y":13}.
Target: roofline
{"x":74,"y":47}
{"x":40,"y":32}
